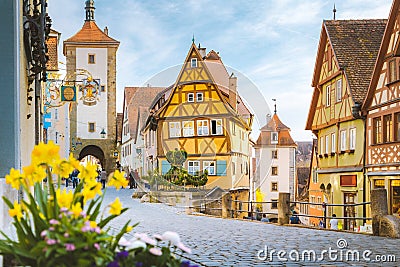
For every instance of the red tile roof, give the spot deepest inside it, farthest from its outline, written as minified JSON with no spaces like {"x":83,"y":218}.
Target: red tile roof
{"x":275,"y":125}
{"x":356,"y":45}
{"x":91,"y":33}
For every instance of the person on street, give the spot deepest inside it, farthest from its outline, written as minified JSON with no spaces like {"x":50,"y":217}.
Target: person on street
{"x":103,"y":178}
{"x":334,"y":222}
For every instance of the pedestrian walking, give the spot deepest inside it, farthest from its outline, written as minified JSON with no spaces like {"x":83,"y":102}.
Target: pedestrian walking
{"x":75,"y":180}
{"x":103,"y":178}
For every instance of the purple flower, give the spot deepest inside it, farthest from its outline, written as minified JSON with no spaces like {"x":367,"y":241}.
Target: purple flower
{"x":139,"y":264}
{"x":43,"y":233}
{"x":69,"y":247}
{"x":63,"y":209}
{"x":51,"y":228}
{"x":96,"y":246}
{"x":54,"y":221}
{"x":51,"y":241}
{"x":113,"y":264}
{"x":66,"y":235}
{"x":85,"y":228}
{"x":122,"y":255}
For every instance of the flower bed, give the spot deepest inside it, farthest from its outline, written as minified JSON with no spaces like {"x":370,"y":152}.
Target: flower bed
{"x":59,"y":228}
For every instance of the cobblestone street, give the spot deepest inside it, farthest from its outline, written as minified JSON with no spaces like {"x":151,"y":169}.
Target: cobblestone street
{"x":227,"y":242}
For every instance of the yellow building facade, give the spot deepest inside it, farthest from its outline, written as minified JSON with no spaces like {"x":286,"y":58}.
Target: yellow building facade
{"x":203,"y":114}
{"x":340,"y":85}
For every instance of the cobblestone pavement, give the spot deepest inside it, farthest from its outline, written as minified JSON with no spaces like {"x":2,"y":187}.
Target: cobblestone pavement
{"x":228,"y":242}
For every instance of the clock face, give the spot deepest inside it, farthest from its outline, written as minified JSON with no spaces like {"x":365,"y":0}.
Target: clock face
{"x":69,"y":93}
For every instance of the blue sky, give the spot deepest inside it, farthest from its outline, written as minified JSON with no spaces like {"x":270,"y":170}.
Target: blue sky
{"x":271,"y":45}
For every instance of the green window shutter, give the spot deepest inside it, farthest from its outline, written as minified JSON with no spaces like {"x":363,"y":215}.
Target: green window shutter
{"x":165,"y":166}
{"x":221,"y":167}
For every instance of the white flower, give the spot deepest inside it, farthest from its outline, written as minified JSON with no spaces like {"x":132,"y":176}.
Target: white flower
{"x":155,"y":251}
{"x":184,"y":248}
{"x":136,"y":244}
{"x":158,"y":237}
{"x":172,"y":237}
{"x":123,"y":242}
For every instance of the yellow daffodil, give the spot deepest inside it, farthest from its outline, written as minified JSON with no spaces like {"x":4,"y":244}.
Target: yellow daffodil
{"x":41,"y":215}
{"x":88,"y":172}
{"x":64,"y":199}
{"x":116,"y":207}
{"x":93,"y":224}
{"x":118,"y":180}
{"x":76,"y":209}
{"x":14,"y":178}
{"x":45,"y":153}
{"x":16,"y":211}
{"x":129,"y":228}
{"x":63,"y":168}
{"x":88,"y":193}
{"x":34,"y":174}
{"x":74,"y":162}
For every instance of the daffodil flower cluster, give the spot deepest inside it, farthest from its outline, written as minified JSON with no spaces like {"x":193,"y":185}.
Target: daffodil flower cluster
{"x":58,"y":227}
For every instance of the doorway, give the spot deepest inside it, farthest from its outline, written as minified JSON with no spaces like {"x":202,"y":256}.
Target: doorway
{"x":349,"y":211}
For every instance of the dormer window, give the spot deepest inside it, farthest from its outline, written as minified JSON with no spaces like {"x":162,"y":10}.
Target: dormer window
{"x":274,"y":138}
{"x":193,"y":63}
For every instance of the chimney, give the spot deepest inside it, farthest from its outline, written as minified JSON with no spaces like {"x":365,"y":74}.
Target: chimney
{"x":106,"y":30}
{"x":233,"y":91}
{"x":202,"y":51}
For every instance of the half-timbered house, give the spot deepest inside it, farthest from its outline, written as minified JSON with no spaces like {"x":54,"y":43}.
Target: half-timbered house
{"x":203,"y":114}
{"x":383,"y":119}
{"x":346,"y":55}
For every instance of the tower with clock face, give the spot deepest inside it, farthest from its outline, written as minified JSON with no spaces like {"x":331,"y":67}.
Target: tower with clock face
{"x":91,"y":67}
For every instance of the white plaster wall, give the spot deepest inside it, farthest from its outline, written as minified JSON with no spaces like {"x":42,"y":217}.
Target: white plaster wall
{"x":96,"y":113}
{"x":264,"y":170}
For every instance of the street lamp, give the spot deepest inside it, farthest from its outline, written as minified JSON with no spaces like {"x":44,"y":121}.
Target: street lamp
{"x":103,"y":133}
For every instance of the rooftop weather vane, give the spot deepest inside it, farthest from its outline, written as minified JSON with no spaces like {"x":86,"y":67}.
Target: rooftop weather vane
{"x":193,"y":38}
{"x":274,"y":105}
{"x":334,"y":12}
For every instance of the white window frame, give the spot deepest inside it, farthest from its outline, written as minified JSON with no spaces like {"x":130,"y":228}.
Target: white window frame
{"x":190,"y":97}
{"x":352,"y":138}
{"x":343,"y":140}
{"x":207,"y":165}
{"x":274,"y":138}
{"x":202,"y":128}
{"x":193,"y":167}
{"x":193,"y":62}
{"x":274,"y":154}
{"x":327,"y":144}
{"x":188,"y":128}
{"x":218,"y":127}
{"x":339,"y":90}
{"x":333,"y":142}
{"x":174,"y":129}
{"x":199,"y":97}
{"x":328,"y":96}
{"x":272,"y":187}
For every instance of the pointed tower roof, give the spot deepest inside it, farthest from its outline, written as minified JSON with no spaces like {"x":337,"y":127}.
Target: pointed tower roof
{"x":90,"y":33}
{"x":275,"y":125}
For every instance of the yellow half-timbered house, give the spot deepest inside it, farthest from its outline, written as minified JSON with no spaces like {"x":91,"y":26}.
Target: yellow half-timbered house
{"x":203,"y":114}
{"x":383,"y":120}
{"x":346,"y":55}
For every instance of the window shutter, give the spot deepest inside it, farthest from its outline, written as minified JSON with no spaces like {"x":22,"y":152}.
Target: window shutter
{"x":165,"y":166}
{"x":221,"y":167}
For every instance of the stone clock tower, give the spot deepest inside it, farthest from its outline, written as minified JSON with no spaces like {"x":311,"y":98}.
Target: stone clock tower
{"x":91,"y":67}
